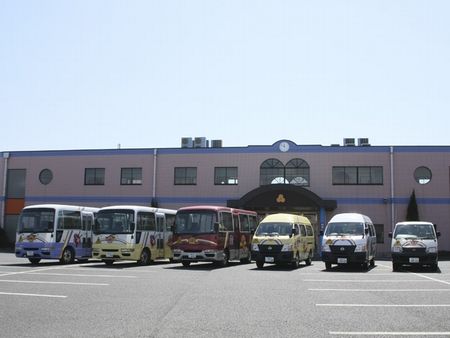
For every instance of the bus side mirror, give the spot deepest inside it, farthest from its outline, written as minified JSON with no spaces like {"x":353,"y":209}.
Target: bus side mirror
{"x":390,"y":235}
{"x":216,"y":227}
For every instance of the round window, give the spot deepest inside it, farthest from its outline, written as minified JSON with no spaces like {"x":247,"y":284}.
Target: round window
{"x":422,"y":175}
{"x":45,"y":176}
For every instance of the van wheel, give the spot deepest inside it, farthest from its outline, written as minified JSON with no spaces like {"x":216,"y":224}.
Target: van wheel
{"x":372,"y":262}
{"x":108,"y":262}
{"x":395,"y":267}
{"x":259,"y":263}
{"x":327,"y":266}
{"x":225,"y":260}
{"x":365,"y":266}
{"x":34,"y":260}
{"x":247,"y":259}
{"x":434,"y":267}
{"x":309,"y":259}
{"x":296,"y":263}
{"x":185,"y":263}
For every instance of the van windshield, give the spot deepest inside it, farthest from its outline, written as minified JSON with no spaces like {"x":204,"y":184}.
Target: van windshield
{"x":274,"y":229}
{"x":345,"y":228}
{"x":419,"y":231}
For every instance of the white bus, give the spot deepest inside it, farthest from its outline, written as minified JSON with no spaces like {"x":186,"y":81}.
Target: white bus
{"x":130,"y":232}
{"x":54,"y":231}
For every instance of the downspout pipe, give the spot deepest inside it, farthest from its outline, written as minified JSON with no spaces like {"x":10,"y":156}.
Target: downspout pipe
{"x":155,"y":157}
{"x":5,"y":177}
{"x":392,"y":188}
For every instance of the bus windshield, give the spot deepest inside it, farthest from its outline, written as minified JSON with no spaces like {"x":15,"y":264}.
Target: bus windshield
{"x":36,"y":220}
{"x":195,"y":222}
{"x":422,"y":231}
{"x":274,"y":229}
{"x":345,"y":228}
{"x":114,"y":222}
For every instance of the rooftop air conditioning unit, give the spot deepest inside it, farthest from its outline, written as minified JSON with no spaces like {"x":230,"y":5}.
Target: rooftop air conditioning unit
{"x":363,"y":142}
{"x":348,"y":142}
{"x":200,"y":142}
{"x":187,"y":142}
{"x":216,"y":143}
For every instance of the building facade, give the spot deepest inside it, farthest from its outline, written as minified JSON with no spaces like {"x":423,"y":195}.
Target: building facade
{"x":313,"y":180}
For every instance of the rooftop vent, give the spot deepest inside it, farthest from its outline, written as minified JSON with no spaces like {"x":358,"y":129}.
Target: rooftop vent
{"x":187,"y":142}
{"x":349,"y":142}
{"x":200,"y":142}
{"x":363,"y":142}
{"x":216,"y":143}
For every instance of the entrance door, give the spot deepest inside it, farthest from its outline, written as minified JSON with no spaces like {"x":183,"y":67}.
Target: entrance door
{"x":160,"y":230}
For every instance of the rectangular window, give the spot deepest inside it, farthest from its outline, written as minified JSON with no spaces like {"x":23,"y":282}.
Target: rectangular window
{"x":94,"y":176}
{"x":226,"y":221}
{"x":226,"y":176}
{"x":379,"y":229}
{"x":357,"y":175}
{"x":185,"y":176}
{"x":146,"y":221}
{"x":131,"y":176}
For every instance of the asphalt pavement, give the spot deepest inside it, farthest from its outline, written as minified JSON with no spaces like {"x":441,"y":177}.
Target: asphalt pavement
{"x":168,"y":300}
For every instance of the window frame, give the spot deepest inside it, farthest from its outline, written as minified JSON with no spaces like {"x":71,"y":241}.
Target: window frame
{"x":131,"y":180}
{"x":355,"y":175}
{"x":96,"y":177}
{"x":226,"y":179}
{"x":185,"y":179}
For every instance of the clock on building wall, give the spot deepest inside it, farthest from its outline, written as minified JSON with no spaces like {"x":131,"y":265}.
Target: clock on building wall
{"x":284,"y":146}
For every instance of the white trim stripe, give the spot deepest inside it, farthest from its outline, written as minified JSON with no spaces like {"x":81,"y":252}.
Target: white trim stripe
{"x":379,"y":333}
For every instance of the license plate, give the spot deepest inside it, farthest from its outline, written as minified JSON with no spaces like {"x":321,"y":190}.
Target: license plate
{"x":342,"y":260}
{"x":109,"y":254}
{"x":269,"y":260}
{"x":414,"y":259}
{"x":30,"y":253}
{"x":192,"y":255}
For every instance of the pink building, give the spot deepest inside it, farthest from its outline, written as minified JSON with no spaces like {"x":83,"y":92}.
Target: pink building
{"x":313,"y":180}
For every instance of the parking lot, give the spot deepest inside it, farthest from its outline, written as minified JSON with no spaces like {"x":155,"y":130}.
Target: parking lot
{"x":168,"y":300}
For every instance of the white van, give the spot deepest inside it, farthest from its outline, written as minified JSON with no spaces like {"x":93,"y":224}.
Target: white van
{"x":349,"y":238}
{"x":414,"y":243}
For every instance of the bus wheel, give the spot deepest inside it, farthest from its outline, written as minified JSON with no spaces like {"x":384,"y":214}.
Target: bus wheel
{"x":259,"y":263}
{"x":67,"y":257}
{"x":186,"y":263}
{"x":225,"y":260}
{"x":108,"y":262}
{"x":247,"y":259}
{"x":327,"y":266}
{"x":145,"y":257}
{"x":34,"y":260}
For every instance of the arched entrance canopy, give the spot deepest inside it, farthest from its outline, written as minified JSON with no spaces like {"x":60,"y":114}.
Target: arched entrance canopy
{"x":282,"y":197}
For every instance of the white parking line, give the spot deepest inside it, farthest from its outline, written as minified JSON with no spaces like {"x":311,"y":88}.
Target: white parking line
{"x":79,"y":275}
{"x":381,"y":290}
{"x":431,"y":278}
{"x":378,"y":333}
{"x":44,"y":282}
{"x":31,"y":295}
{"x":366,"y":280}
{"x":384,"y":305}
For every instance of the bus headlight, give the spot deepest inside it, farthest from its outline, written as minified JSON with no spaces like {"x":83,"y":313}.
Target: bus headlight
{"x":255,"y":247}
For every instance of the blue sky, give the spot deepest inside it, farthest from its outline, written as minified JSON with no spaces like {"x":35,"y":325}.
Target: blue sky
{"x":95,"y":74}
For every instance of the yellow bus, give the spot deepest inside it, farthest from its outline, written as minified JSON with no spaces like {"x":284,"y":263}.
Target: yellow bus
{"x":131,"y":232}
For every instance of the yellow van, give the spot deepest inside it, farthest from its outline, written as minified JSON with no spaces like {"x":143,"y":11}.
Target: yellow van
{"x":283,"y":238}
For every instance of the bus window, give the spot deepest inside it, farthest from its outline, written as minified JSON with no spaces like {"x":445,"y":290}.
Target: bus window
{"x":170,"y":221}
{"x":302,"y":230}
{"x":68,"y":220}
{"x":253,"y":223}
{"x":226,"y":221}
{"x":245,"y":224}
{"x":146,"y":221}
